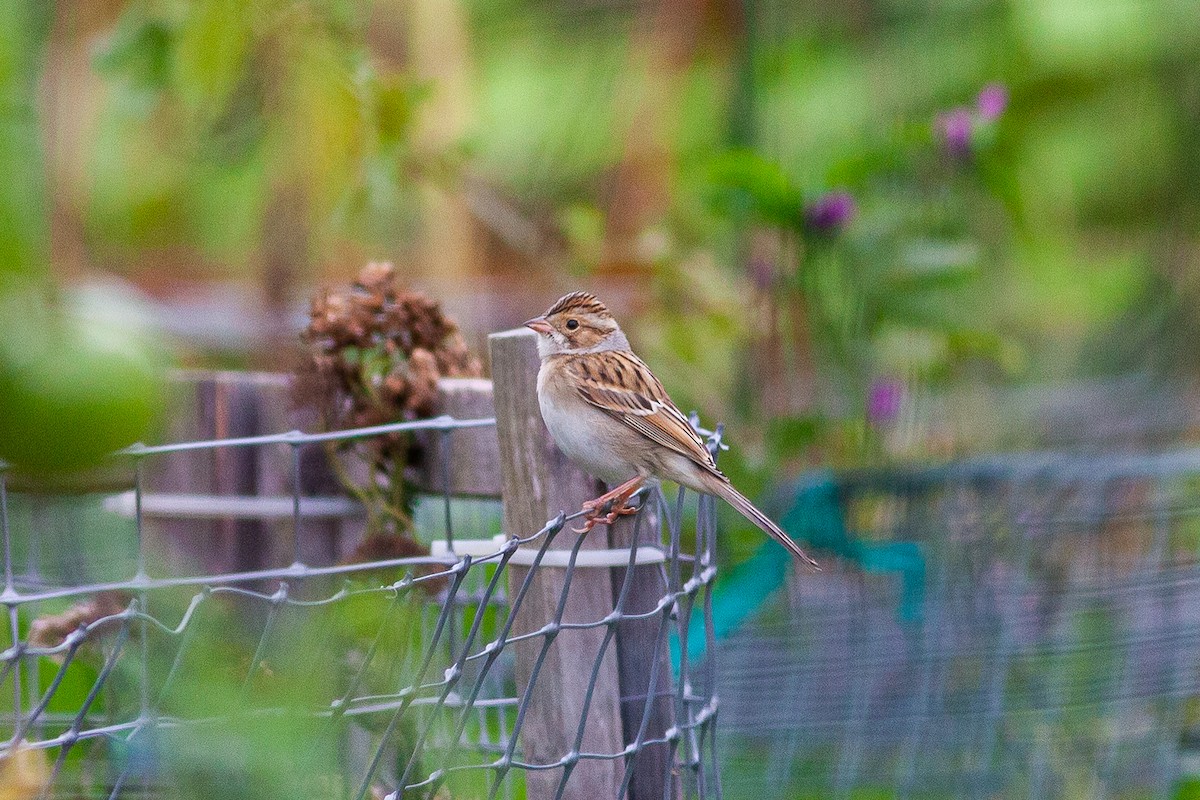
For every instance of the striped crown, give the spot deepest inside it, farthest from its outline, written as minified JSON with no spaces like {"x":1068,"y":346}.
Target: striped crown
{"x":583,"y":302}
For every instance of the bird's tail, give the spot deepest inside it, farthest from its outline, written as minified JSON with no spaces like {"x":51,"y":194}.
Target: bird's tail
{"x":747,"y":509}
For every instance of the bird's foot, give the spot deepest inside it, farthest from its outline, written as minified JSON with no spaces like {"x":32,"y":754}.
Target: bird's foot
{"x":609,"y":506}
{"x":606,"y":509}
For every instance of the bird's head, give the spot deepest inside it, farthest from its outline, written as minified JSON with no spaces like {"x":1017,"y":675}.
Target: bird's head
{"x":577,"y":323}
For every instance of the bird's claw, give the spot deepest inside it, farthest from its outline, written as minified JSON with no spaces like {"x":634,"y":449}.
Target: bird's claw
{"x":596,"y":512}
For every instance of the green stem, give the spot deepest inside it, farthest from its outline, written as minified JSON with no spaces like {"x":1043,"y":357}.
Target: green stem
{"x":360,"y":493}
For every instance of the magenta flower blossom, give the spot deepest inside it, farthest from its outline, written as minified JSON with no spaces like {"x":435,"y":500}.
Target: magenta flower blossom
{"x":992,"y":101}
{"x":884,"y":397}
{"x":831,"y":211}
{"x":953,"y":128}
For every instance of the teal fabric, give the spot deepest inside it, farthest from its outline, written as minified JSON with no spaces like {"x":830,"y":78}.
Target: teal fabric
{"x":815,"y":519}
{"x":736,"y":596}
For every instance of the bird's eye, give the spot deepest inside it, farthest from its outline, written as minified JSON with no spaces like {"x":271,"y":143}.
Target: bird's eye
{"x":572,"y":324}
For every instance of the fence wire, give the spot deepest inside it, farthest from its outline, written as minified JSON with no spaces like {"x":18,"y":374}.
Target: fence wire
{"x":395,"y":678}
{"x":1018,"y":626}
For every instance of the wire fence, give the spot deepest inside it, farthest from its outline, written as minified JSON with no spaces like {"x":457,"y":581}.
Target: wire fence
{"x":403,"y":677}
{"x":1016,"y":626}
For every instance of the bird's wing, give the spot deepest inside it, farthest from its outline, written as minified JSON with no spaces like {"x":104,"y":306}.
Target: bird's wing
{"x":622,"y":386}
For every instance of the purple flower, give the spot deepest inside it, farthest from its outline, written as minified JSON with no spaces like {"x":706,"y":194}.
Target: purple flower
{"x":992,"y":101}
{"x":831,"y":211}
{"x":884,"y":397}
{"x":954,"y":129}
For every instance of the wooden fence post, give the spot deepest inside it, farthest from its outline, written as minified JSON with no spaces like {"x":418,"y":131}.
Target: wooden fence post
{"x":638,"y":648}
{"x":539,"y":482}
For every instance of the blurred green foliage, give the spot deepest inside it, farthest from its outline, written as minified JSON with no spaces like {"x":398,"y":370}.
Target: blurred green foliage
{"x":71,"y":392}
{"x":1063,"y":248}
{"x":72,"y":389}
{"x":251,"y":691}
{"x":1088,"y":169}
{"x":245,"y":117}
{"x":291,"y":127}
{"x":24,"y":221}
{"x":1061,"y":245}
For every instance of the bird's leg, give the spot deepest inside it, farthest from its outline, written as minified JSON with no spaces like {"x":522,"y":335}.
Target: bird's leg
{"x":609,"y":506}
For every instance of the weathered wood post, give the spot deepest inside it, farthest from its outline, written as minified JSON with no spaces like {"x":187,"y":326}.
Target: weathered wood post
{"x":220,"y":405}
{"x":539,"y":482}
{"x":639,"y":646}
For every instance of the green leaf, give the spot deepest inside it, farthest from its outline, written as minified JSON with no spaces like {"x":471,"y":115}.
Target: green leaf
{"x":68,"y":396}
{"x":743,"y":182}
{"x":139,"y":48}
{"x":396,"y":100}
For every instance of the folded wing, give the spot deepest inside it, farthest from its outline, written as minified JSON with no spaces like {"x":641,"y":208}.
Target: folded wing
{"x":622,"y":386}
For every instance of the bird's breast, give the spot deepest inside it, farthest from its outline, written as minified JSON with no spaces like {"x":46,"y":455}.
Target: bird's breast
{"x":586,"y":435}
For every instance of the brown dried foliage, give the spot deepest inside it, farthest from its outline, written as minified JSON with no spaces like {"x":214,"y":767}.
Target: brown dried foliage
{"x":376,"y":353}
{"x":52,"y":629}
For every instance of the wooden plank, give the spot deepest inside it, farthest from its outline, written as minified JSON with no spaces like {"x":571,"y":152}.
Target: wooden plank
{"x":217,"y":405}
{"x":538,"y":481}
{"x":638,"y":647}
{"x":472,"y":456}
{"x":211,"y":405}
{"x":209,"y":506}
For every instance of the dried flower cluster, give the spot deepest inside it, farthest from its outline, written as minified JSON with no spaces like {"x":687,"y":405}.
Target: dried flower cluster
{"x":376,"y":353}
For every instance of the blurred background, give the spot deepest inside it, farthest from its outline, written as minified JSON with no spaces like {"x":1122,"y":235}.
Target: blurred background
{"x":877,"y":229}
{"x":862,"y":234}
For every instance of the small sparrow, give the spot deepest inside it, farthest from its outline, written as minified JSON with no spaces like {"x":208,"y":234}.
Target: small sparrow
{"x":609,"y":414}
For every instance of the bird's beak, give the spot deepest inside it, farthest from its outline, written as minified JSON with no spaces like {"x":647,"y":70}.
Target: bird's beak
{"x":540,"y":325}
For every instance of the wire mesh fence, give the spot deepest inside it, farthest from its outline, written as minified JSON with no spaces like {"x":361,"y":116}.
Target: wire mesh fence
{"x":402,"y":677}
{"x":1019,"y":626}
